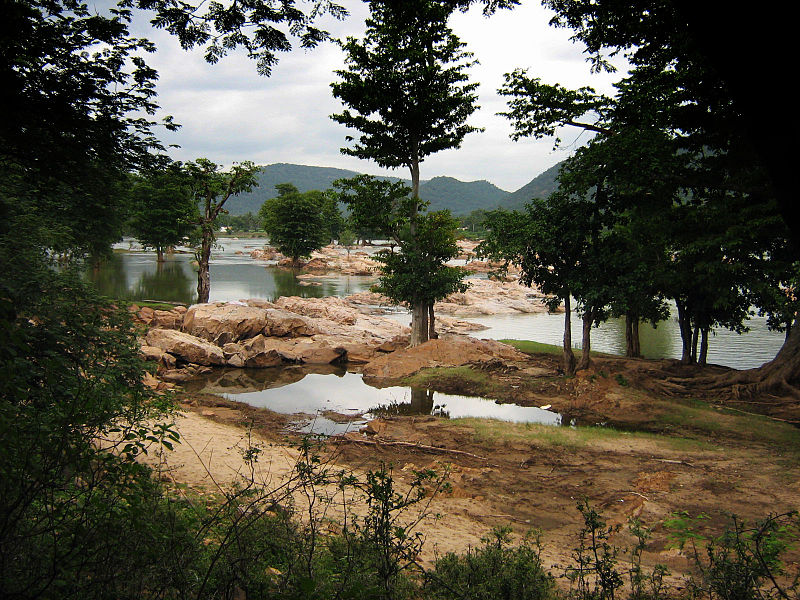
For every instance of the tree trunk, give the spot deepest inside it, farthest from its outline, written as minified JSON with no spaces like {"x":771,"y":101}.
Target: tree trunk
{"x":419,"y":324}
{"x":569,"y":357}
{"x":695,"y":339}
{"x":684,"y":323}
{"x":632,"y":346}
{"x":203,"y":277}
{"x":432,"y":335}
{"x":419,"y":310}
{"x":701,"y":359}
{"x":588,"y":319}
{"x":778,"y":378}
{"x":159,"y":255}
{"x":637,"y":345}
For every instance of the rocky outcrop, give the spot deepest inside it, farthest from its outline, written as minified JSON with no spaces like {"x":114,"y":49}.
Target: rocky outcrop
{"x":449,"y":351}
{"x":223,"y":323}
{"x":187,"y":348}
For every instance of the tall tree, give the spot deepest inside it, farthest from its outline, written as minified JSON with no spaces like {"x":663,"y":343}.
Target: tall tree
{"x":418,"y":273}
{"x":295,"y":222}
{"x":212,"y":188}
{"x":163,"y":209}
{"x":406,"y":92}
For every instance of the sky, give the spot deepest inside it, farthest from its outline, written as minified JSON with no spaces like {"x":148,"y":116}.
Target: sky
{"x":229,"y":113}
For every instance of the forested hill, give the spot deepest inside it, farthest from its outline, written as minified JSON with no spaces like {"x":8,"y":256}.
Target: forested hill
{"x":461,"y":197}
{"x":539,"y":187}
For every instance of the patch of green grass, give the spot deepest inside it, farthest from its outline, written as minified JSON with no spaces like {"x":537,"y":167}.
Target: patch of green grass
{"x":567,"y":437}
{"x":532,"y":347}
{"x":155,"y":305}
{"x":426,"y":376}
{"x":697,"y":416}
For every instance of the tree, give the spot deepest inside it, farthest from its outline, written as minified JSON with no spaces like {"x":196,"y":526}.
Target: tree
{"x":407,"y":94}
{"x":212,"y":188}
{"x":163,"y":209}
{"x":294,"y":221}
{"x":417,"y":274}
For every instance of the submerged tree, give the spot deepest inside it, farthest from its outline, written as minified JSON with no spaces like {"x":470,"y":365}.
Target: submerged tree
{"x":163,"y":209}
{"x":212,"y":188}
{"x":295,"y":222}
{"x":406,"y":91}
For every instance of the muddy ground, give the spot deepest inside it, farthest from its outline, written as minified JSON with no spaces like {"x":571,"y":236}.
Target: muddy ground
{"x":651,"y":457}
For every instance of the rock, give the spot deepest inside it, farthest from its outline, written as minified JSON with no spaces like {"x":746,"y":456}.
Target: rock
{"x":151,"y":352}
{"x":334,"y":309}
{"x":375,"y":427}
{"x":175,"y":375}
{"x":396,"y":343}
{"x":223,"y":323}
{"x":208,"y":413}
{"x":187,"y":347}
{"x":150,"y":381}
{"x":167,"y":319}
{"x":146,"y":315}
{"x":321,"y":355}
{"x":316,"y":264}
{"x":444,"y":352}
{"x":282,"y":323}
{"x":268,"y":348}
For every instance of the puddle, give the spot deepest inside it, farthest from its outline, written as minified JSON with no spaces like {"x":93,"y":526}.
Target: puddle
{"x":317,"y":392}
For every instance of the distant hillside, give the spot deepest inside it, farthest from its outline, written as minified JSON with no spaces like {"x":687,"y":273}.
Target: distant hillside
{"x":459,"y":196}
{"x":540,"y":186}
{"x":443,"y":192}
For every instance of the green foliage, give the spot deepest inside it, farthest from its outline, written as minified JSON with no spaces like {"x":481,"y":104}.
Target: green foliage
{"x":297,"y":224}
{"x":405,"y":85}
{"x":496,"y":570}
{"x":163,"y":208}
{"x":745,"y":562}
{"x":417,"y":273}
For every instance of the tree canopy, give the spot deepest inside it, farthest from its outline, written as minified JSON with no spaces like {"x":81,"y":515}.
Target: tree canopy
{"x":295,"y":222}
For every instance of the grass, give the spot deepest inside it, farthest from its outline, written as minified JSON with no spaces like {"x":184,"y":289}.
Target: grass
{"x":570,"y":438}
{"x":698,"y":416}
{"x":155,"y":305}
{"x":531,"y":347}
{"x":432,"y":375}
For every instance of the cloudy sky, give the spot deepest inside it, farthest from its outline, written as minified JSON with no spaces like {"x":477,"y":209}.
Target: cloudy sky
{"x":229,"y":113}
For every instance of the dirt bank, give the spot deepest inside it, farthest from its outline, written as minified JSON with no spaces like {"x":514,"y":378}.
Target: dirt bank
{"x":662,"y":456}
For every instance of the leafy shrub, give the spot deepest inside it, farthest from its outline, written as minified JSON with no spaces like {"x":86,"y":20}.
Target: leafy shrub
{"x":492,"y":572}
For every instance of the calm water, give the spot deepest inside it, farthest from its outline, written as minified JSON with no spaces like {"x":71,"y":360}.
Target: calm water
{"x":136,"y":276}
{"x":316,"y":392}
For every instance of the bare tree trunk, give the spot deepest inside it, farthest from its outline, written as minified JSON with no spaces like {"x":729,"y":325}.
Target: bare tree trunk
{"x":159,"y":254}
{"x":695,"y":339}
{"x":684,"y":323}
{"x":432,"y":335}
{"x":419,"y":324}
{"x":203,"y":277}
{"x":701,"y":359}
{"x":588,"y":319}
{"x":569,"y":357}
{"x":632,"y":346}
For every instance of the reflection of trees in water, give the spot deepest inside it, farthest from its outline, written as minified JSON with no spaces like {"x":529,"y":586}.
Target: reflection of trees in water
{"x":240,"y":381}
{"x":287,"y":284}
{"x":109,"y":278}
{"x":421,"y":404}
{"x":168,"y":281}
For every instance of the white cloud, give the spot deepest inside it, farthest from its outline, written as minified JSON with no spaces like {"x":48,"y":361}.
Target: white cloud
{"x":230,"y":113}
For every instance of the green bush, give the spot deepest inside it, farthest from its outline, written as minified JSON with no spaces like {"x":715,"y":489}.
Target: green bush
{"x":494,"y":571}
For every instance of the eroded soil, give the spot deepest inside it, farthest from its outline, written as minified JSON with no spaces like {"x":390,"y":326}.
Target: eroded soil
{"x":661,"y":456}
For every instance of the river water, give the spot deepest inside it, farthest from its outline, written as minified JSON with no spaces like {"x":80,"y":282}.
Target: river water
{"x":134,"y":275}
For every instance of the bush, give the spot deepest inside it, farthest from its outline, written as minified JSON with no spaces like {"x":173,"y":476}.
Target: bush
{"x":492,"y":572}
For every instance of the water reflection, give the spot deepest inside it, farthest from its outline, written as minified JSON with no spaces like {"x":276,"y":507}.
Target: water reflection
{"x":234,"y":276}
{"x":319,"y":391}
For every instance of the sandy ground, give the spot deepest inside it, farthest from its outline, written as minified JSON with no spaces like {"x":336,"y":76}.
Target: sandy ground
{"x":528,"y":476}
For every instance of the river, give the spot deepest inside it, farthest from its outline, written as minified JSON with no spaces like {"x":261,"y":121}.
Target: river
{"x":134,"y":275}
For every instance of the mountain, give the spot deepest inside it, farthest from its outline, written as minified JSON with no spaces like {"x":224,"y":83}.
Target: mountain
{"x":540,"y":186}
{"x":443,"y":192}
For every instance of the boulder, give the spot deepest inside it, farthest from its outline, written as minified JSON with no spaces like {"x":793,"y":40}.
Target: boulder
{"x":167,"y":319}
{"x":321,"y":354}
{"x":450,"y":351}
{"x":334,"y":309}
{"x":282,"y":323}
{"x":223,"y":323}
{"x":186,"y":347}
